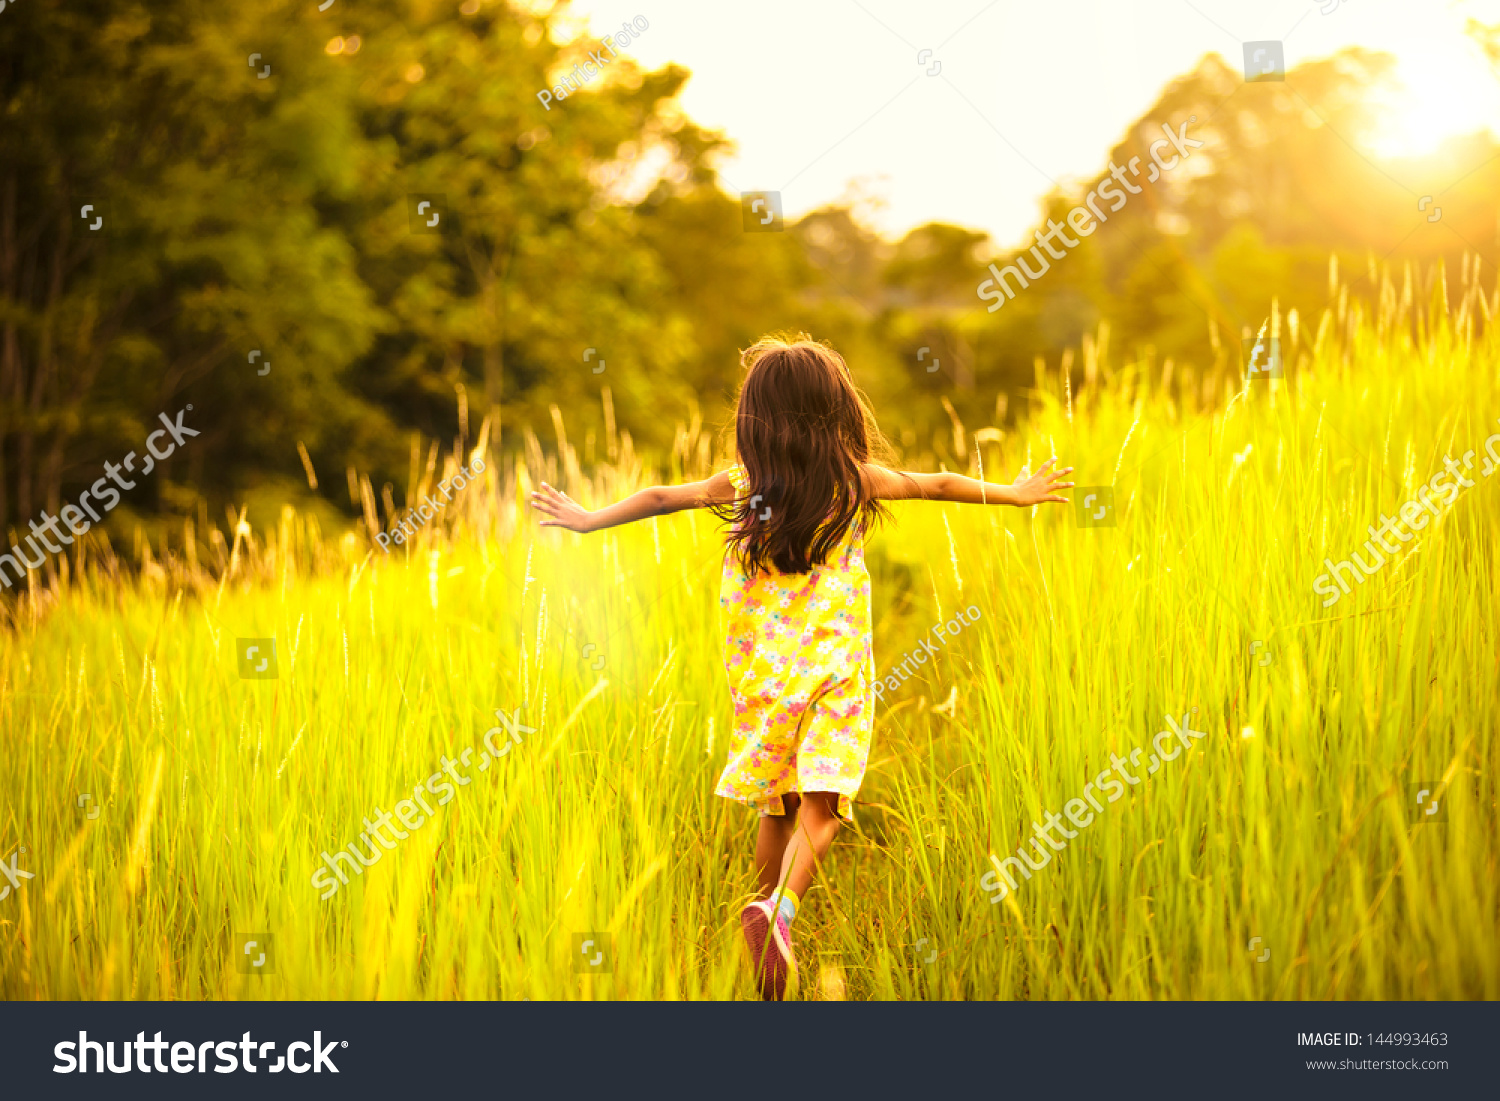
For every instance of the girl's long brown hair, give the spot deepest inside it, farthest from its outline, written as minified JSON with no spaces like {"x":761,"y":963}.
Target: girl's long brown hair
{"x":801,"y":432}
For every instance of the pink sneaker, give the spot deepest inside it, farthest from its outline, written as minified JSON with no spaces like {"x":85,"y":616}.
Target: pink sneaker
{"x":770,"y":955}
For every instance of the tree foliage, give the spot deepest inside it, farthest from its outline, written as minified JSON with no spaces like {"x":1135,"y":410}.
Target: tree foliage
{"x":258,"y":171}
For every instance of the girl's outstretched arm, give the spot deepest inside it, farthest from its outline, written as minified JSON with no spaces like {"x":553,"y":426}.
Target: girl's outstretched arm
{"x":564,"y":512}
{"x":1028,"y":489}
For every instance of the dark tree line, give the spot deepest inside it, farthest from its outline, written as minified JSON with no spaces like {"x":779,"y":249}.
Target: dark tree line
{"x":253,"y":245}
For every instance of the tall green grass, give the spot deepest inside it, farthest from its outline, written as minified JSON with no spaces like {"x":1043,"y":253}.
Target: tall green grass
{"x":1290,"y":821}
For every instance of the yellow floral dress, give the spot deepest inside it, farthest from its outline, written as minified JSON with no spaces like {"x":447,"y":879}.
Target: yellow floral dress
{"x":801,"y":673}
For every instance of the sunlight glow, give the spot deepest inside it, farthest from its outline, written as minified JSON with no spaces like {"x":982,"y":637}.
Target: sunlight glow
{"x":1438,"y":101}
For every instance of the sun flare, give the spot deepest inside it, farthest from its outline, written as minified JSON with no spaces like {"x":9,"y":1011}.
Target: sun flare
{"x":1432,"y":101}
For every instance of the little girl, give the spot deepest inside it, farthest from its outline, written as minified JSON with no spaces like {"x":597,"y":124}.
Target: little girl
{"x":795,"y":600}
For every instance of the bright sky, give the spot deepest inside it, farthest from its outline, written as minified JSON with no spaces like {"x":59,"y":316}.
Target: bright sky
{"x":825,"y":99}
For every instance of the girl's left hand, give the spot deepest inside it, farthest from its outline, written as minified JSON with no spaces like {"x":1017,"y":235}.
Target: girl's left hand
{"x":563,"y":511}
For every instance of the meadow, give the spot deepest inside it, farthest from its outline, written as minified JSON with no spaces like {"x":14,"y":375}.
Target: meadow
{"x":213,"y":796}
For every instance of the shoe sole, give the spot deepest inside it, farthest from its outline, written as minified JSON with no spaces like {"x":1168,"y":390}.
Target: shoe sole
{"x":771,"y":965}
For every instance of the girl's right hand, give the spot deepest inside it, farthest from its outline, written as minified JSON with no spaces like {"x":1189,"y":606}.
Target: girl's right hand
{"x":1033,"y":489}
{"x":562,"y":510}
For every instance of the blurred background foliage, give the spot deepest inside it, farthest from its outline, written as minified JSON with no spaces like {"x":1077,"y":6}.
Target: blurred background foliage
{"x":275,"y":213}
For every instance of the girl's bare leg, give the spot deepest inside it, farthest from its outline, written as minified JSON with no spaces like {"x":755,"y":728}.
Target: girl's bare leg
{"x":771,"y":843}
{"x":817,"y":823}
